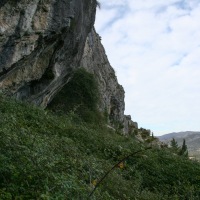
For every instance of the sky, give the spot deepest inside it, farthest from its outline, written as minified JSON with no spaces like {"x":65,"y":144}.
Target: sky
{"x":154,"y":47}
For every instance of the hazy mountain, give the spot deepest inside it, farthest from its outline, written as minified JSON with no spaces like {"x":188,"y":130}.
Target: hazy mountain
{"x":192,"y":140}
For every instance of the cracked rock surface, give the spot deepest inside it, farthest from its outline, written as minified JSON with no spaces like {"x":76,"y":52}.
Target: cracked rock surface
{"x":41,"y":43}
{"x":95,"y":61}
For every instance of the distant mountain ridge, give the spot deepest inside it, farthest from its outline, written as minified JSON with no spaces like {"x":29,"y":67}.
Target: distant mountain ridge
{"x":178,"y":135}
{"x":192,"y":140}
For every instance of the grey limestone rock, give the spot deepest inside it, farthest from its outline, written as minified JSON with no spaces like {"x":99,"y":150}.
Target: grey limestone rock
{"x":41,"y":43}
{"x":129,"y":125}
{"x":95,"y":61}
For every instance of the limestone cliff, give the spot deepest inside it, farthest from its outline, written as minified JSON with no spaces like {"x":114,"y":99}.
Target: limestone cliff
{"x":96,"y":62}
{"x":43,"y":41}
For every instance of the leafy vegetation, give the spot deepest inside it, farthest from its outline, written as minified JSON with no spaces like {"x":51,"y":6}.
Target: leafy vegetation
{"x":192,"y":140}
{"x":174,"y":145}
{"x":59,"y":155}
{"x":182,"y":151}
{"x":81,"y":96}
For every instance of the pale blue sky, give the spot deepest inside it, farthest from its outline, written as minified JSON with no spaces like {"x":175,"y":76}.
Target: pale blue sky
{"x":154,"y":47}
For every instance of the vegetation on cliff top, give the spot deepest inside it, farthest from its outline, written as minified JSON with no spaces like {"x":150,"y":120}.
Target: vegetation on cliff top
{"x":44,"y":155}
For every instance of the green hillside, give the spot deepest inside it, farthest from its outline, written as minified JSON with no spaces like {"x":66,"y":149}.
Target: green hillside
{"x":46,"y":156}
{"x":64,"y":153}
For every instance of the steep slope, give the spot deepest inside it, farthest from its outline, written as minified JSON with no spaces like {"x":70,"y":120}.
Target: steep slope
{"x":48,"y":156}
{"x":95,"y":61}
{"x":45,"y":156}
{"x":41,"y":43}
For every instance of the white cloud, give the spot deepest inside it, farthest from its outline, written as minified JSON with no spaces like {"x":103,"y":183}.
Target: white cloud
{"x":158,"y":61}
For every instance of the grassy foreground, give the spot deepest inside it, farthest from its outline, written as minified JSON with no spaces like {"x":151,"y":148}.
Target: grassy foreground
{"x":46,"y":156}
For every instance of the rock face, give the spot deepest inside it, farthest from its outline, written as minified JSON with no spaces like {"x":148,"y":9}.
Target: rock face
{"x":41,"y":43}
{"x":95,"y":61}
{"x":129,"y":125}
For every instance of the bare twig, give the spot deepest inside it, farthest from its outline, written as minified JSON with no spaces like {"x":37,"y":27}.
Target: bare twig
{"x":117,"y":164}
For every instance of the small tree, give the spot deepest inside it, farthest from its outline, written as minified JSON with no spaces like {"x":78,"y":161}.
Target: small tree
{"x":184,"y":150}
{"x":174,"y":144}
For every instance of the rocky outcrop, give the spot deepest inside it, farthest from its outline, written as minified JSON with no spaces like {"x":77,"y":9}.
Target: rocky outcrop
{"x":41,"y":43}
{"x":95,"y":61}
{"x":129,"y":125}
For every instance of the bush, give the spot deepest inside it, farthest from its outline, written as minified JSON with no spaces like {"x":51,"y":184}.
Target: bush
{"x":80,"y":95}
{"x":48,"y":156}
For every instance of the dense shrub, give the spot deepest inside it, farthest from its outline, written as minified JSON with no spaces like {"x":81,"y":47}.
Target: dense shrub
{"x":46,"y":156}
{"x":80,"y":95}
